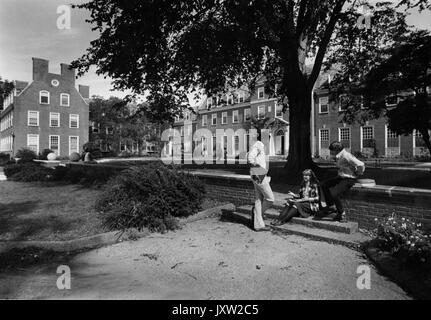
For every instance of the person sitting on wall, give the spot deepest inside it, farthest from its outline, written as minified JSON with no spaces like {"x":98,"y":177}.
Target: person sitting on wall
{"x":349,"y":169}
{"x":304,"y":204}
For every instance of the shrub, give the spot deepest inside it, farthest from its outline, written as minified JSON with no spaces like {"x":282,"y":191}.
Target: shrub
{"x":125,"y":154}
{"x":405,"y":239}
{"x":44,"y":154}
{"x":150,"y":196}
{"x":83,"y":174}
{"x":26,"y":155}
{"x":94,"y":150}
{"x":4,"y":158}
{"x":28,"y":172}
{"x":74,"y":157}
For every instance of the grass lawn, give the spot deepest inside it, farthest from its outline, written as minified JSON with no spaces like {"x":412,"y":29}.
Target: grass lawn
{"x":47,"y":211}
{"x":52,"y":211}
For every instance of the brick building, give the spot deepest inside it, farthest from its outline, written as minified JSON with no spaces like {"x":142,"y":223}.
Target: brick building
{"x":47,"y":113}
{"x":234,"y":110}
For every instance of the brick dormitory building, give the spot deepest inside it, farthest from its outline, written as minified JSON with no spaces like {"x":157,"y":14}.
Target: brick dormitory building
{"x":235,"y":109}
{"x":47,"y":113}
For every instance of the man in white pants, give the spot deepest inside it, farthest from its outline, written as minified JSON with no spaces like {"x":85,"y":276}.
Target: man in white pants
{"x":262,"y":189}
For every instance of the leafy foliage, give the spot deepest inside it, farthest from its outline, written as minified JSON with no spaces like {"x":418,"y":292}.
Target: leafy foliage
{"x":26,"y":155}
{"x":404,"y":238}
{"x":27,"y":172}
{"x":150,"y":196}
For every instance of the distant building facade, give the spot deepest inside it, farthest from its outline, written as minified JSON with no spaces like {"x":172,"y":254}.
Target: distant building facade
{"x":47,"y":113}
{"x":235,"y":109}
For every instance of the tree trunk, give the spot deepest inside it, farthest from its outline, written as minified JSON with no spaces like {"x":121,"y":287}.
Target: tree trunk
{"x":300,"y":157}
{"x":426,"y":138}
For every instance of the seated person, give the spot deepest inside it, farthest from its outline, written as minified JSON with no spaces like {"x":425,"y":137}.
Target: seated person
{"x":304,"y":204}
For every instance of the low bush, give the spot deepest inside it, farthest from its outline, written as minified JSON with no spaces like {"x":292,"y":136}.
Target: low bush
{"x":44,"y":154}
{"x":74,"y":157}
{"x":26,"y":155}
{"x":404,"y":239}
{"x":28,"y":172}
{"x":150,"y":196}
{"x":4,"y":158}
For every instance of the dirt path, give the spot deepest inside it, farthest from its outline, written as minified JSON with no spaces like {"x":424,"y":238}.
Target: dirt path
{"x":208,"y":259}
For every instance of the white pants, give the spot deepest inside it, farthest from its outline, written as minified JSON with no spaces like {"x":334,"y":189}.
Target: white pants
{"x":264,"y":200}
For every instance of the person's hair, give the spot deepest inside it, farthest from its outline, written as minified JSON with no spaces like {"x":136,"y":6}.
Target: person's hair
{"x":313,"y":179}
{"x":336,"y":146}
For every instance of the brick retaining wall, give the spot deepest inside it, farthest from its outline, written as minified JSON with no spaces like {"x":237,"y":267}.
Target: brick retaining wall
{"x":363,"y":204}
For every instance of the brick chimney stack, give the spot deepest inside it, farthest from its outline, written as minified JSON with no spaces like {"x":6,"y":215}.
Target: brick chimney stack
{"x":68,"y":73}
{"x":40,"y":69}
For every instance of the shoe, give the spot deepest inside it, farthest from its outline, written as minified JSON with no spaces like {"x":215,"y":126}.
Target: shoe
{"x":340,"y":217}
{"x":263,"y":229}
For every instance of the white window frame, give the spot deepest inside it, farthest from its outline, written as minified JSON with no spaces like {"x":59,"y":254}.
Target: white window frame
{"x":392,"y":104}
{"x":224,"y":118}
{"x":229,"y":99}
{"x":47,"y":94}
{"x":204,"y":120}
{"x":247,"y":110}
{"x":28,"y":139}
{"x":28,"y":118}
{"x":387,"y":138}
{"x":77,"y":144}
{"x":259,"y":91}
{"x":361,"y":140}
{"x":50,"y":144}
{"x":241,"y":96}
{"x":51,"y":118}
{"x":350,"y":136}
{"x":341,"y":96}
{"x":258,"y":112}
{"x":320,"y":137}
{"x":214,"y":116}
{"x":61,"y":99}
{"x":235,"y":112}
{"x":210,"y":103}
{"x":276,"y":110}
{"x":77,"y":121}
{"x":320,"y":104}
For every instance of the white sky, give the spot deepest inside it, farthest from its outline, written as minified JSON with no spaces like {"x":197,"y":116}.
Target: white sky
{"x":28,"y":28}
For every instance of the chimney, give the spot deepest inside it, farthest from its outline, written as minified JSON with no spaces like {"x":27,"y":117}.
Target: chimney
{"x":84,"y":91}
{"x":67,"y":73}
{"x":40,"y":69}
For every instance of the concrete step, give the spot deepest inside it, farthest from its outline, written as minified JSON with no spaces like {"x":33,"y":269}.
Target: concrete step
{"x":353,"y":241}
{"x":325,"y":223}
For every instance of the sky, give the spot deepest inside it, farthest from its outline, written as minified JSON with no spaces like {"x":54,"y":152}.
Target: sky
{"x":28,"y":28}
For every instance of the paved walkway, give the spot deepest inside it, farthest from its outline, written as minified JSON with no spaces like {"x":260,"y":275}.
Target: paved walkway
{"x":208,"y":259}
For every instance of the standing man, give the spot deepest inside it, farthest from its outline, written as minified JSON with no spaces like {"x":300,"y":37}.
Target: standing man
{"x":349,"y":168}
{"x":258,"y":172}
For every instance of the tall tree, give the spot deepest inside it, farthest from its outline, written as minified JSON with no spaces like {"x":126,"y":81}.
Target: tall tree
{"x":170,"y":49}
{"x":6,"y":87}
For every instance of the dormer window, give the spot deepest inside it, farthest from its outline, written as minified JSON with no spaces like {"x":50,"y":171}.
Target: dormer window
{"x":64,"y":100}
{"x":44,"y":97}
{"x":209,"y":103}
{"x":261,"y":93}
{"x":241,"y":97}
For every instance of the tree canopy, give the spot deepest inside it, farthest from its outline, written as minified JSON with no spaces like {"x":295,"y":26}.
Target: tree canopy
{"x":170,"y":49}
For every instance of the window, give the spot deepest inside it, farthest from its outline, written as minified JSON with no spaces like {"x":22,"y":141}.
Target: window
{"x":344,"y":137}
{"x":324,"y":135}
{"x":54,"y":119}
{"x":241,"y":97}
{"x":261,"y":112}
{"x":367,"y":137}
{"x":94,"y":127}
{"x":229,"y":99}
{"x":44,"y":97}
{"x":392,"y":139}
{"x":54,"y":144}
{"x":188,"y":117}
{"x":177,"y":118}
{"x":204,"y":120}
{"x":323,"y":105}
{"x":109,"y":130}
{"x":74,"y":121}
{"x":235,"y":116}
{"x":279,"y":111}
{"x":247,"y":113}
{"x":236,"y":143}
{"x":224,"y":118}
{"x":33,"y":142}
{"x":64,"y":100}
{"x":214,"y":119}
{"x":391,"y":101}
{"x":343,"y":102}
{"x":261,"y":93}
{"x":33,"y":118}
{"x":209,"y":103}
{"x":73,"y":144}
{"x":418,"y":139}
{"x":269,"y":109}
